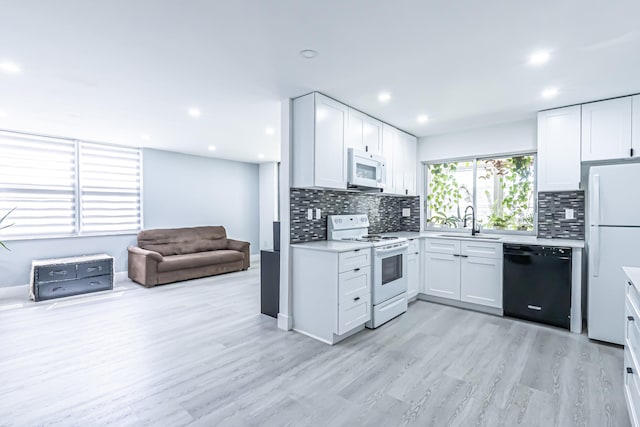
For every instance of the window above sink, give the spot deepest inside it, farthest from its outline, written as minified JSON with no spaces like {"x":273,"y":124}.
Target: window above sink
{"x":501,"y":190}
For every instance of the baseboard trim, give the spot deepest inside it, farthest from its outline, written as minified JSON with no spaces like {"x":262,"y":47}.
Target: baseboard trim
{"x":285,"y":322}
{"x":461,"y":304}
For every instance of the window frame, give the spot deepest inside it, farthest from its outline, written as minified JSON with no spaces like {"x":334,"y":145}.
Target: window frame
{"x":474,"y":161}
{"x":77,"y":192}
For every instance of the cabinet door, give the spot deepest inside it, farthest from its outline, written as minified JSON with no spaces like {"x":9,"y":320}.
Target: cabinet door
{"x":635,"y":126}
{"x":365,"y":132}
{"x":413,"y":274}
{"x":442,"y":275}
{"x":481,"y":281}
{"x":606,"y":129}
{"x":410,"y":155}
{"x":330,"y":153}
{"x":389,"y":135}
{"x":559,"y":149}
{"x":398,"y":165}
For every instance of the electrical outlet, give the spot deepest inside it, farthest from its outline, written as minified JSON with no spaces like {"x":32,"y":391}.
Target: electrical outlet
{"x":406,"y":212}
{"x":569,"y":214}
{"x":318,"y":213}
{"x":309,"y":213}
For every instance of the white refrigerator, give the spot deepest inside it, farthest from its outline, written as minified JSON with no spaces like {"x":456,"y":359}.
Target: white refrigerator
{"x":614,"y":242}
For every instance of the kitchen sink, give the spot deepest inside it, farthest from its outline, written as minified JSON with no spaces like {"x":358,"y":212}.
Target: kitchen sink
{"x":469,"y":236}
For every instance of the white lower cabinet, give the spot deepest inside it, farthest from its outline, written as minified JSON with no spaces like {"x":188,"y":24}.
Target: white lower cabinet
{"x":442,"y":275}
{"x":331,"y":292}
{"x":632,"y":352}
{"x":481,"y":281}
{"x":467,"y":271}
{"x":413,"y":268}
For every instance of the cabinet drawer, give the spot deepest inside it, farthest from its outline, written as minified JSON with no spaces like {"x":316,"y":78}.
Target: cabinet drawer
{"x":633,"y":295}
{"x":442,"y":246}
{"x":95,"y":268}
{"x":482,"y":249}
{"x":631,"y":387}
{"x":352,"y":284}
{"x":632,"y":326}
{"x":355,"y":313}
{"x":414,"y":246}
{"x":53,"y":273}
{"x":351,"y":260}
{"x":67,"y":288}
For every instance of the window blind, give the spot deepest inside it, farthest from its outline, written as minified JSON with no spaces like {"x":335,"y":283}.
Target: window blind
{"x":38,"y":178}
{"x":109,"y":188}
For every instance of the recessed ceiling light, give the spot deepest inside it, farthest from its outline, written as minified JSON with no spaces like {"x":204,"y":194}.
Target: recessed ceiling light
{"x":384,"y":97}
{"x":422,"y":118}
{"x":145,"y":137}
{"x":269,"y":131}
{"x":308,"y":53}
{"x":9,"y":67}
{"x":194,"y":112}
{"x":212,"y":148}
{"x":540,"y":57}
{"x":261,"y":156}
{"x":3,"y":114}
{"x":549,"y":92}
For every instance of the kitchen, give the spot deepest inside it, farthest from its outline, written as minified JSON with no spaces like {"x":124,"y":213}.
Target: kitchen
{"x":556,"y":266}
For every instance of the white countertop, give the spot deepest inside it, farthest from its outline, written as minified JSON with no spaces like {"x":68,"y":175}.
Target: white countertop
{"x":332,"y":246}
{"x":633,"y":273}
{"x":503,"y":238}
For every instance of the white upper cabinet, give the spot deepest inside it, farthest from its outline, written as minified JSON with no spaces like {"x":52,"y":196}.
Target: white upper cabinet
{"x":606,"y":129}
{"x":410,"y":155}
{"x":559,"y":149}
{"x":635,"y":126}
{"x":319,"y":134}
{"x":365,"y":132}
{"x":400,"y":152}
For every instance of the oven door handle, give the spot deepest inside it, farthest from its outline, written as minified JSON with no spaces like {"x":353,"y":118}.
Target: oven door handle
{"x":394,"y":249}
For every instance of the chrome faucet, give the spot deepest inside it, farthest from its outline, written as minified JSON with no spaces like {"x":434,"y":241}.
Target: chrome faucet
{"x":474,"y":230}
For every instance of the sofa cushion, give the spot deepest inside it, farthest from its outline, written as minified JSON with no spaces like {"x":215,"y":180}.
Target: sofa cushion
{"x":177,"y":241}
{"x":200,"y":259}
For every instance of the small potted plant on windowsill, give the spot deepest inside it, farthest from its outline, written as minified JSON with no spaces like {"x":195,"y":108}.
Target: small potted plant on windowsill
{"x":2,"y":227}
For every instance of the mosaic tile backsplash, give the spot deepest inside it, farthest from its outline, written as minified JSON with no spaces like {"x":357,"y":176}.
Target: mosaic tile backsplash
{"x":551,"y":215}
{"x":385,"y":212}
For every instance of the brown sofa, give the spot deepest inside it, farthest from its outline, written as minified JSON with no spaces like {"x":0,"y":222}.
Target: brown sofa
{"x":171,"y":255}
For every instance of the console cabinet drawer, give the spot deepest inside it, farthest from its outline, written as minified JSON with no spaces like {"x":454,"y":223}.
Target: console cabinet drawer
{"x":73,"y":287}
{"x":91,"y":269}
{"x":353,"y":283}
{"x":442,"y":246}
{"x":482,"y":249}
{"x":55,"y":273}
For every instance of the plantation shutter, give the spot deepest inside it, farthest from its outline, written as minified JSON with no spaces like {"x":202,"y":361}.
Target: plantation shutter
{"x":38,"y":179}
{"x":109,"y":188}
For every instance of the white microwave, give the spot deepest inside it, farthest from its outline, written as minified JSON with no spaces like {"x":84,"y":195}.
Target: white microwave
{"x":366,"y":170}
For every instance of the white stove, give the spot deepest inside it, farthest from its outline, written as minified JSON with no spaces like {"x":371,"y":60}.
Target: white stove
{"x":388,"y":267}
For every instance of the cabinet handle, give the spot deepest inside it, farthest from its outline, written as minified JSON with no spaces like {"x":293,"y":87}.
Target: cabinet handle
{"x":456,"y":254}
{"x":356,"y":269}
{"x":630,"y":318}
{"x":417,"y":253}
{"x":58,"y":273}
{"x":629,"y":370}
{"x":356,"y":299}
{"x":356,"y":250}
{"x":631,"y":153}
{"x":94,"y":283}
{"x":464,"y":256}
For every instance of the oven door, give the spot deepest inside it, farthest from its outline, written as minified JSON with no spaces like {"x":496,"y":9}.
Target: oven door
{"x":389,"y":272}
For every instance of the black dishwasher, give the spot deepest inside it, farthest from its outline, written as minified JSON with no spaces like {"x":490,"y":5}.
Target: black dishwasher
{"x":537,"y":284}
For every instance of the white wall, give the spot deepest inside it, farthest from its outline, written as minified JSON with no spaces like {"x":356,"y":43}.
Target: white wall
{"x":504,"y":138}
{"x":179,"y":190}
{"x":268,"y":203}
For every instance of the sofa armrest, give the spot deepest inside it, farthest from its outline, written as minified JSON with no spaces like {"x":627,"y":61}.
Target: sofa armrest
{"x":240,"y":246}
{"x":143,"y":266}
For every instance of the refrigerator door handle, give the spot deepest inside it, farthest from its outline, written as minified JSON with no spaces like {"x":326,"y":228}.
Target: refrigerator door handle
{"x":595,"y":202}
{"x":594,"y":246}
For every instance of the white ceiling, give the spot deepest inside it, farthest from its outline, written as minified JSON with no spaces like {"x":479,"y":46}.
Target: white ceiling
{"x":114,"y":70}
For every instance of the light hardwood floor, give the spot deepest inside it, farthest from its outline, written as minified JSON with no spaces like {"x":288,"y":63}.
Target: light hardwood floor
{"x":198,"y":353}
